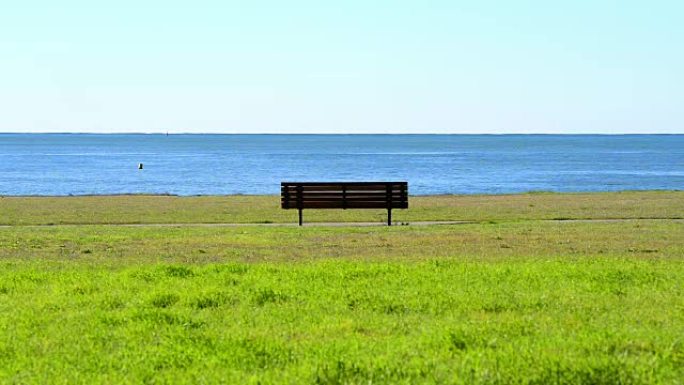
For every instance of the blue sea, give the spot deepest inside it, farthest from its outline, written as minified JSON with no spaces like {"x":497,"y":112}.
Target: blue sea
{"x":75,"y":164}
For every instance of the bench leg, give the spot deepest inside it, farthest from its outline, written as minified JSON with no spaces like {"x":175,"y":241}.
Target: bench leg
{"x":300,"y":217}
{"x":389,"y":217}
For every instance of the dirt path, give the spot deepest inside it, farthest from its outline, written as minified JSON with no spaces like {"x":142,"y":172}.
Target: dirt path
{"x":342,"y":224}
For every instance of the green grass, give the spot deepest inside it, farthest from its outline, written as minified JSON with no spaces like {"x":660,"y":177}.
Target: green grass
{"x":266,"y":209}
{"x":114,"y":245}
{"x":512,"y":299}
{"x":594,"y":321}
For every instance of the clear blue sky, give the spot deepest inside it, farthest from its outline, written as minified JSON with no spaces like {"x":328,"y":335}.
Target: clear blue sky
{"x":351,"y":66}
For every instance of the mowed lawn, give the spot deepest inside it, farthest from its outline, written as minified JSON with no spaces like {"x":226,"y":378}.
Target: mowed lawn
{"x":266,"y":209}
{"x":512,"y":298}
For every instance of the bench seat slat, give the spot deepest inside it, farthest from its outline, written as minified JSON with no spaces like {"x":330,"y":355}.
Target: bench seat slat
{"x":348,"y":199}
{"x":350,"y":193}
{"x":351,"y":205}
{"x":339,"y":188}
{"x":377,"y":183}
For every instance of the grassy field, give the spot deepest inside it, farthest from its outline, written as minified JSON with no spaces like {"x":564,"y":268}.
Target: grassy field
{"x":266,"y":209}
{"x":513,"y":298}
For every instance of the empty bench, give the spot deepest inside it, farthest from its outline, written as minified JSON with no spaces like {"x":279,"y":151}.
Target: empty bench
{"x":344,"y":195}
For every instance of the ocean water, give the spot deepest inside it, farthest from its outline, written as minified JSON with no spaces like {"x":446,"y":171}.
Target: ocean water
{"x":64,"y":164}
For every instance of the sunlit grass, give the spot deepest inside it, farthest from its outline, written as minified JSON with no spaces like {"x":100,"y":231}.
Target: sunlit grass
{"x":599,"y":320}
{"x":266,"y":209}
{"x":488,"y":241}
{"x":510,"y":299}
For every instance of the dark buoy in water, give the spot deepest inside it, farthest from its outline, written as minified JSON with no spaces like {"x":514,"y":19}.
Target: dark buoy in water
{"x":140,"y":166}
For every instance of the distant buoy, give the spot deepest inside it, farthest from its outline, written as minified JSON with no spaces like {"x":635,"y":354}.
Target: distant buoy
{"x":140,"y":166}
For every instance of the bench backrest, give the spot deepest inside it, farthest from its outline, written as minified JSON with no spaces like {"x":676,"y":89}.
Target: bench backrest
{"x":344,"y":195}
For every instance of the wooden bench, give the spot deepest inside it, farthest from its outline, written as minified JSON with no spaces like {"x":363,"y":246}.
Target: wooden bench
{"x":344,"y":195}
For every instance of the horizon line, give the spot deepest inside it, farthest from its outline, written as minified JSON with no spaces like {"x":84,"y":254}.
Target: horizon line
{"x":329,"y":133}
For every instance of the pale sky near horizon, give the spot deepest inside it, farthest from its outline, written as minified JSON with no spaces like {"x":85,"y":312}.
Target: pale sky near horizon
{"x":268,"y":66}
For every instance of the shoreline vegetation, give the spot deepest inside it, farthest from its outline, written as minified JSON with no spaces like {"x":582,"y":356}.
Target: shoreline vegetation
{"x":515,"y":297}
